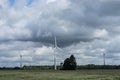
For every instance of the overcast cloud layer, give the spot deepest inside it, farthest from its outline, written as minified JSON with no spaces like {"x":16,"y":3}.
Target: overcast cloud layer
{"x":85,"y":28}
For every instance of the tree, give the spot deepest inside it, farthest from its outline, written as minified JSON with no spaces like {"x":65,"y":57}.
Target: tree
{"x":73,"y":63}
{"x":70,"y":63}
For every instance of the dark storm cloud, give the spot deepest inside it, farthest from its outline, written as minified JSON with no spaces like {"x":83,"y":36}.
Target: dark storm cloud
{"x":77,"y":27}
{"x":110,"y":8}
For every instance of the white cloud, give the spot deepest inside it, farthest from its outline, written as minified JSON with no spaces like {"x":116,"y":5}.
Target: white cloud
{"x":101,"y":33}
{"x":44,"y":51}
{"x":7,"y":33}
{"x":4,"y":4}
{"x":50,"y":1}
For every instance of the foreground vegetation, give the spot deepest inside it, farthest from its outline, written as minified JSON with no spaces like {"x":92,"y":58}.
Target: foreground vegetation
{"x":60,"y":75}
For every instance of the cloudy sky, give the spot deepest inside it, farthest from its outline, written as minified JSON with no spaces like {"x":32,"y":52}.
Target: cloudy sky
{"x":85,"y":28}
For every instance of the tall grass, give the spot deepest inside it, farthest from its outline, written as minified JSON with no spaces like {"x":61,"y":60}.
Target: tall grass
{"x":60,"y":75}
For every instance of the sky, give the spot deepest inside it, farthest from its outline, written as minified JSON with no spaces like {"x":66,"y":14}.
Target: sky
{"x":84,"y":28}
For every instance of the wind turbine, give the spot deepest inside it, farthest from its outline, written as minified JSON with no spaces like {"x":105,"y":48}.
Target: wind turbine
{"x":33,"y":52}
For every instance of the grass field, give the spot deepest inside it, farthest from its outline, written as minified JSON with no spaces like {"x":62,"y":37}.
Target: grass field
{"x":60,"y":75}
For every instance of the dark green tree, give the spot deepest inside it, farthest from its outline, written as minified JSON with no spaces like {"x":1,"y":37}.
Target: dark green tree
{"x":66,"y":64}
{"x":70,"y":63}
{"x":73,"y":63}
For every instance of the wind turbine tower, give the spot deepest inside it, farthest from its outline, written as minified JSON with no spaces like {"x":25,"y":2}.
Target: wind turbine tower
{"x":20,"y":61}
{"x":55,"y":67}
{"x":104,"y":59}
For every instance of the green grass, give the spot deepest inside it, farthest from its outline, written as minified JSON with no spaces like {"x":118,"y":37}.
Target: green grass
{"x":60,"y":75}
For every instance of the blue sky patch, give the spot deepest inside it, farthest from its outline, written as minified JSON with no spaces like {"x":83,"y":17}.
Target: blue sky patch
{"x":29,"y":2}
{"x":11,"y":2}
